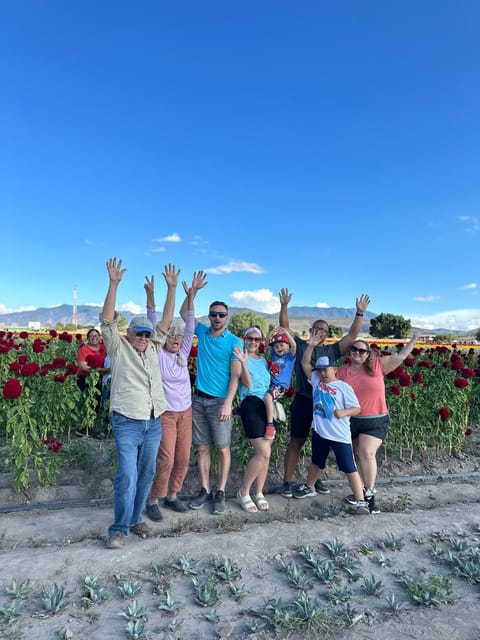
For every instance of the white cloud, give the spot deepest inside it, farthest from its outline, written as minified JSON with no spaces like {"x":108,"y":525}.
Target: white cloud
{"x":236,"y":267}
{"x":322,"y":305}
{"x":5,"y":309}
{"x":88,"y":242}
{"x":158,"y":250}
{"x":130,"y":306}
{"x":173,"y":237}
{"x":197,"y":240}
{"x":468,"y":287}
{"x":458,"y":319}
{"x":426,"y":298}
{"x":472,"y":223}
{"x":258,"y":300}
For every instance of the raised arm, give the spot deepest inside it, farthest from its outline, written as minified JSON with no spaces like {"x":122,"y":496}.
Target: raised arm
{"x":115,"y":274}
{"x":171,"y":278}
{"x":389,"y":363}
{"x":285,"y":296}
{"x":245,"y":377}
{"x":149,"y":287}
{"x":314,"y":340}
{"x":199,"y":281}
{"x":361,"y":305}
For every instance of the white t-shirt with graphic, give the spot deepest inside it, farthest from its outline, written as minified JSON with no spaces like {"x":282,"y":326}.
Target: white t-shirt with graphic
{"x":328,"y":396}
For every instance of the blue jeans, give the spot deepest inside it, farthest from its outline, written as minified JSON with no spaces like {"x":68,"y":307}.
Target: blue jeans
{"x":137,"y":443}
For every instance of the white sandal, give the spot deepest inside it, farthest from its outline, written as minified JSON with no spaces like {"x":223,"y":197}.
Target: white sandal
{"x":261,"y":502}
{"x":246,"y":503}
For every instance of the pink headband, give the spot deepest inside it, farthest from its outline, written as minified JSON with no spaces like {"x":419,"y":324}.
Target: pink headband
{"x":256,"y":330}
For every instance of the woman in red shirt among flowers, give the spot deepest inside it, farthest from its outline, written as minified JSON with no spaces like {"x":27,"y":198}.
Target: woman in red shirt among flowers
{"x":365,"y":373}
{"x":91,"y":356}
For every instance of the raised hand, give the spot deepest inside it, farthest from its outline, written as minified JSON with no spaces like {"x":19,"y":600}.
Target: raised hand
{"x":115,"y":270}
{"x":284,"y":296}
{"x":171,"y":274}
{"x":149,"y":286}
{"x":362,"y":303}
{"x":199,"y":280}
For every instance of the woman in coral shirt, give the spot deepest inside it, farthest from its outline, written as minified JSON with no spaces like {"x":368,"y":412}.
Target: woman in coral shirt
{"x":91,"y":356}
{"x":365,"y":373}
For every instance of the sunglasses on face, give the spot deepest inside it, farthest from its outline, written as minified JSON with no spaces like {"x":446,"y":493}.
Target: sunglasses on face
{"x":218,"y":314}
{"x":318,"y":330}
{"x":143,"y":334}
{"x":254,"y":339}
{"x":175,"y":336}
{"x":357,"y":350}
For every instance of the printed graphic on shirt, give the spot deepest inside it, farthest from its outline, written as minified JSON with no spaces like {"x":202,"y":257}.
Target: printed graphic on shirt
{"x":324,"y":400}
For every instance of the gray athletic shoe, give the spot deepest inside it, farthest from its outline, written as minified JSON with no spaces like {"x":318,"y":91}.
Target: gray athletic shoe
{"x":287,"y":489}
{"x":218,"y":507}
{"x":201,"y":499}
{"x":321,"y":487}
{"x":304,"y":491}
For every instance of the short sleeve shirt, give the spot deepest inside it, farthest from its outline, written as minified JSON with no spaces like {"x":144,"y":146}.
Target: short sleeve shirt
{"x":302,"y":385}
{"x":213,"y":360}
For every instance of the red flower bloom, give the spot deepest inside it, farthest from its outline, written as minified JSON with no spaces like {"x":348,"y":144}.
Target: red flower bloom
{"x":416,"y":351}
{"x":30,"y":369}
{"x":59,"y":363}
{"x":467,"y":373}
{"x":395,"y":389}
{"x":38,"y":346}
{"x":417,"y":377}
{"x":348,"y":360}
{"x":12,"y":389}
{"x":65,"y":336}
{"x":445,"y":364}
{"x":78,"y":336}
{"x":460,"y":383}
{"x":457,"y":365}
{"x":413,"y":397}
{"x":23,"y":335}
{"x":404,"y":379}
{"x":22,"y":359}
{"x":409,"y":362}
{"x":395,"y":373}
{"x":15,"y":367}
{"x":444,"y":414}
{"x":94,"y":360}
{"x":194,"y":351}
{"x":53,"y":333}
{"x":71,"y":369}
{"x":59,"y":378}
{"x":290,"y":392}
{"x":468,"y":431}
{"x":425,"y":364}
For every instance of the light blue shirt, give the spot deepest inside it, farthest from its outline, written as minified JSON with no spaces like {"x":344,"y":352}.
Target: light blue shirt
{"x":213,"y":361}
{"x":258,"y":370}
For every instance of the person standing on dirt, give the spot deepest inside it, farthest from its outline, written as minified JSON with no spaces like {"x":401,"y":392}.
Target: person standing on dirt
{"x":301,"y":410}
{"x":136,"y":404}
{"x":218,"y":374}
{"x":365,"y":373}
{"x":174,"y":452}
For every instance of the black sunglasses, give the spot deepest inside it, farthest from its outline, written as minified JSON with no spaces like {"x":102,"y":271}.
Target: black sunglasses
{"x":218,"y":314}
{"x":143,"y":334}
{"x":357,"y":350}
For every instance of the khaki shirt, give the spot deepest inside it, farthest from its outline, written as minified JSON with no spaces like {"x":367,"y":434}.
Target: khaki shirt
{"x":136,"y":387}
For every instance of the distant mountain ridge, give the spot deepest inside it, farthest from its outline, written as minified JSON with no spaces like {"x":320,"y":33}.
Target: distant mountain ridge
{"x":301,"y":318}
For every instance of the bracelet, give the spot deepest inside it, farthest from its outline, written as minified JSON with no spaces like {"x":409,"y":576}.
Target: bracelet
{"x":359,"y":314}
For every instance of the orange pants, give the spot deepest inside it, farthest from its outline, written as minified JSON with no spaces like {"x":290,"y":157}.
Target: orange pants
{"x":174,"y":453}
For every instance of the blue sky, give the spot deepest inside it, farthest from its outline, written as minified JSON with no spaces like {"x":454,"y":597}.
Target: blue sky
{"x":327,"y":147}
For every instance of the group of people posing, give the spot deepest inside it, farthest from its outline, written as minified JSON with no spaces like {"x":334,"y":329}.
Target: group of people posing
{"x":155,"y":417}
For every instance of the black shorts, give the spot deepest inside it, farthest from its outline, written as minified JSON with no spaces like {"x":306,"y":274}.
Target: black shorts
{"x":301,"y":416}
{"x":254,"y":417}
{"x":376,"y":426}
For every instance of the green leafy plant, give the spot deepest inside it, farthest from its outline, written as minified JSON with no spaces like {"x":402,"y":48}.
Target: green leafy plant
{"x":134,"y":611}
{"x":129,"y":589}
{"x":225,"y":569}
{"x":53,"y":599}
{"x":18,"y":590}
{"x":170,"y":605}
{"x":12,"y":611}
{"x":373,"y":587}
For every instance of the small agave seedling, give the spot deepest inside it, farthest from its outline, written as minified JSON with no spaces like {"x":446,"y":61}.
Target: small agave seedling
{"x":372,"y":586}
{"x":135,"y":629}
{"x":335,"y":548}
{"x":393,"y":543}
{"x":53,"y":599}
{"x":383,"y":561}
{"x":134,"y":611}
{"x":18,"y":590}
{"x":296,"y":575}
{"x":339,"y":593}
{"x":325,"y":571}
{"x":205,"y":592}
{"x":185,"y":565}
{"x":129,"y":589}
{"x":238,"y":591}
{"x":393,"y":604}
{"x":212,"y":616}
{"x":13,"y":611}
{"x":367,"y":549}
{"x":170,"y":605}
{"x":255,"y":626}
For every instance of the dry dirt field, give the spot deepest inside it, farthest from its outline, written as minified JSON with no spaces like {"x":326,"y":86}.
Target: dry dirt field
{"x":426,"y":539}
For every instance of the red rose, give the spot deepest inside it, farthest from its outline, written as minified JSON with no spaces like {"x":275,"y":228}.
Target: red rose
{"x":23,"y":335}
{"x":409,"y":362}
{"x":444,"y":414}
{"x":53,"y":333}
{"x":416,"y":351}
{"x":94,"y":360}
{"x":71,"y":369}
{"x":417,"y":377}
{"x":30,"y":369}
{"x":78,"y":336}
{"x":348,"y":360}
{"x":424,"y":364}
{"x":38,"y":346}
{"x":460,"y":383}
{"x":395,"y":389}
{"x":468,"y":431}
{"x":22,"y":359}
{"x":59,"y":363}
{"x":467,"y":373}
{"x":395,"y":373}
{"x":404,"y":379}
{"x":15,"y":367}
{"x":59,"y":378}
{"x":457,"y":365}
{"x":12,"y":389}
{"x":445,"y":364}
{"x":65,"y":336}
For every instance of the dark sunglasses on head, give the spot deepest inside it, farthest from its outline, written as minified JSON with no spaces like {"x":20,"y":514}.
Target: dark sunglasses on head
{"x":218,"y":314}
{"x":357,"y":350}
{"x":143,"y":334}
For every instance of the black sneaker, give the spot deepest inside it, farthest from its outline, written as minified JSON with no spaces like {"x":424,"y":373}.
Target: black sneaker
{"x":350,"y":499}
{"x":177,"y":505}
{"x":370,"y":499}
{"x":321,"y":487}
{"x":153,"y":512}
{"x":218,"y":507}
{"x":201,"y":499}
{"x":287,"y":489}
{"x":304,"y":491}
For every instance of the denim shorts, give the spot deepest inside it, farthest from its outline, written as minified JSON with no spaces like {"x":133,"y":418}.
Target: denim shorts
{"x":207,"y":427}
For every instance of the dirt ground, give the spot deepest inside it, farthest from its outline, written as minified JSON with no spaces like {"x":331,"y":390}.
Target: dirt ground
{"x":421,"y":518}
